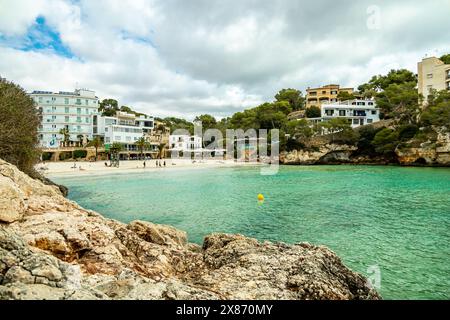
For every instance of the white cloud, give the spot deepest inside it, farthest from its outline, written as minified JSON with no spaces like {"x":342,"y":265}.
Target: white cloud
{"x":185,"y":58}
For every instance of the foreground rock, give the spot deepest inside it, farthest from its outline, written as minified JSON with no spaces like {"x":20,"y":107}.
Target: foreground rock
{"x":51,"y":248}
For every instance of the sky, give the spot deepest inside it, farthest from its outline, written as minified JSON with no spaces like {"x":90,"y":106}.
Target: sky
{"x":186,"y":58}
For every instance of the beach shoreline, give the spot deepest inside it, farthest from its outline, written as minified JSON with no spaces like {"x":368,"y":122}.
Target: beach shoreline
{"x":71,"y":168}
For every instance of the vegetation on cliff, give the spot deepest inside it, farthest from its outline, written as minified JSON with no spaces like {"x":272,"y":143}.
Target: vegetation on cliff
{"x":19,"y":122}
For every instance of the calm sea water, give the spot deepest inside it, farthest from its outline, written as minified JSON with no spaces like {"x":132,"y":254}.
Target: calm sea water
{"x":392,"y":217}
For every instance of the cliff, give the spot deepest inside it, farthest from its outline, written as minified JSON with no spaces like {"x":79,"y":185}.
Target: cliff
{"x":433,"y":152}
{"x":51,"y":248}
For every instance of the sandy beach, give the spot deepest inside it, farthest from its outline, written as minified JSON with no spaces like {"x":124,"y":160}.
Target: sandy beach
{"x":99,"y":167}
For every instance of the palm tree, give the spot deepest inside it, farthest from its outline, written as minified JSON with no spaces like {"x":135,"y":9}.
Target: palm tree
{"x":161,"y":150}
{"x":80,"y":138}
{"x":65,"y":132}
{"x":96,"y":143}
{"x":114,"y":150}
{"x":142,"y":144}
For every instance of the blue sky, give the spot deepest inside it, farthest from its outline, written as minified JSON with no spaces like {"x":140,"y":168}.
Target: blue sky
{"x":39,"y":37}
{"x":185,"y":58}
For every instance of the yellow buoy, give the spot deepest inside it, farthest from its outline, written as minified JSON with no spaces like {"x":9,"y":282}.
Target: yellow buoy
{"x":260,"y":197}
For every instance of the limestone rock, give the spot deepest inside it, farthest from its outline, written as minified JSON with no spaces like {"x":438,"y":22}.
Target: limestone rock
{"x":159,"y":234}
{"x":12,"y":205}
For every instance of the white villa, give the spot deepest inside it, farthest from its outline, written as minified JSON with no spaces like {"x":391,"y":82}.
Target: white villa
{"x":359,"y":112}
{"x":185,"y":143}
{"x":65,"y":110}
{"x":124,"y":128}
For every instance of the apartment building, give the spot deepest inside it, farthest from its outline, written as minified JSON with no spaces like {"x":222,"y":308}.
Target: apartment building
{"x":358,"y":112}
{"x":326,"y":94}
{"x":124,"y":128}
{"x":185,"y":143}
{"x":73,"y":111}
{"x":433,"y":74}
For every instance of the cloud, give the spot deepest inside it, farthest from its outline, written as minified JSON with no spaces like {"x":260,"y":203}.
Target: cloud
{"x":185,"y":58}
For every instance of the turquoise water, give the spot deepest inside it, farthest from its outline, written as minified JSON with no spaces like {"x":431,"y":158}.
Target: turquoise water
{"x":393,"y":217}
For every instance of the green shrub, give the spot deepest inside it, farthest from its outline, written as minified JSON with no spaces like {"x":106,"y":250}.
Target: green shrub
{"x":313,"y":112}
{"x":366,"y":136}
{"x":408,"y":131}
{"x":385,"y":141}
{"x":19,"y":121}
{"x":46,"y":156}
{"x":78,"y":154}
{"x":65,"y":156}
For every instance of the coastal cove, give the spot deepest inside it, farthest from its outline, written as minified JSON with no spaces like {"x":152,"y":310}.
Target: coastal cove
{"x":394,"y":218}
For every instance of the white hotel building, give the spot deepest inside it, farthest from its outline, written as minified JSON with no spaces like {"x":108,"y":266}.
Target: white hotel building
{"x":124,"y":128}
{"x":71,"y":110}
{"x":78,"y":112}
{"x":185,"y":143}
{"x":359,"y":112}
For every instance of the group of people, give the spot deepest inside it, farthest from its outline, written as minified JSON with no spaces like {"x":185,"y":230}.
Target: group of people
{"x":158,"y":163}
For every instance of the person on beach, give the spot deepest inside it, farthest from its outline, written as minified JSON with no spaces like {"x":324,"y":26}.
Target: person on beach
{"x":144,"y":164}
{"x":164,"y":163}
{"x":160,"y":164}
{"x":156,"y":162}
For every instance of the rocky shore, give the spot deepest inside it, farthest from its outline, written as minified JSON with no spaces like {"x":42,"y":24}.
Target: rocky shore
{"x":429,"y":153}
{"x":51,"y":248}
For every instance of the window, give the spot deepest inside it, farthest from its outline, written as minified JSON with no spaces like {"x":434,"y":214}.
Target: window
{"x":128,"y":138}
{"x":329,"y":112}
{"x":78,"y":119}
{"x":78,"y":110}
{"x":67,"y":110}
{"x":87,"y":111}
{"x":87,"y":102}
{"x":430,"y":76}
{"x":135,"y":138}
{"x":40,"y":99}
{"x":341,"y":113}
{"x":79,"y":128}
{"x":106,"y":129}
{"x":53,"y":109}
{"x":78,"y":101}
{"x":66,"y":100}
{"x":324,"y":92}
{"x":53,"y":117}
{"x":370,"y":103}
{"x":334,"y":92}
{"x":53,"y":126}
{"x":66,"y":119}
{"x":355,"y":121}
{"x":118,"y":138}
{"x":369,"y":120}
{"x":107,"y":139}
{"x":374,"y":112}
{"x":87,"y":120}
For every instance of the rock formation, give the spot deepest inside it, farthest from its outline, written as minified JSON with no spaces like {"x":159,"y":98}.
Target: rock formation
{"x":51,"y":248}
{"x":434,"y":152}
{"x":431,"y":153}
